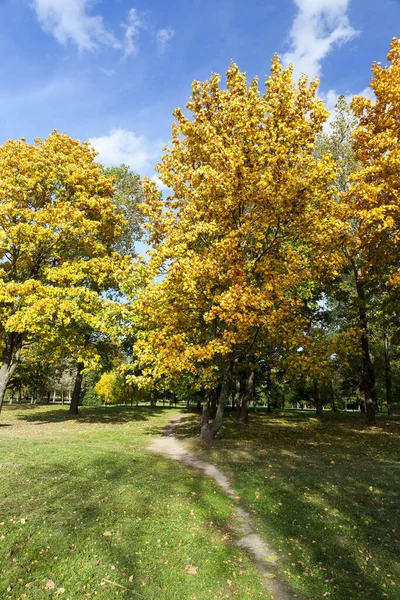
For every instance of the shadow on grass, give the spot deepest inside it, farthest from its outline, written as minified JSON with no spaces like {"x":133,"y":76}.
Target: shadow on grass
{"x":324,"y":492}
{"x":109,"y":414}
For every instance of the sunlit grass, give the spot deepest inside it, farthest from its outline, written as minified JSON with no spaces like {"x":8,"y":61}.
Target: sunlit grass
{"x":86,"y":511}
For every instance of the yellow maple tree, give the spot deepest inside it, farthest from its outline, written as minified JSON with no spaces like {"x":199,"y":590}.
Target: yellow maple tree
{"x":249,"y":229}
{"x":58,"y":227}
{"x":372,"y":200}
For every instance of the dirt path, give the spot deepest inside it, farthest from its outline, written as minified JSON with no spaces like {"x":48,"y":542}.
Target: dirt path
{"x":248,"y":538}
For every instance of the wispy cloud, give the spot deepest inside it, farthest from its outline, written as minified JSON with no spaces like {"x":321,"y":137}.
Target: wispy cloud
{"x":121,"y":146}
{"x":132,"y":30}
{"x":163,"y":37}
{"x":69,"y":21}
{"x":318,"y":26}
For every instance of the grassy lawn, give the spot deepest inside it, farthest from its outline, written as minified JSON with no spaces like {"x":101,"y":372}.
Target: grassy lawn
{"x":325,"y":493}
{"x":86,"y":511}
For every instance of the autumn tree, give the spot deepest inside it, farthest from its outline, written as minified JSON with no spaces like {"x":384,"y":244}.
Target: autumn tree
{"x":113,"y":388}
{"x":58,"y":228}
{"x":251,"y":219}
{"x":372,"y":201}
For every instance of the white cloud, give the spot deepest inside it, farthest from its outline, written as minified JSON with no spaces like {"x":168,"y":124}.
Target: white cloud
{"x":163,"y":37}
{"x":331,"y":97}
{"x":132,"y":29}
{"x":69,"y":21}
{"x":121,"y":146}
{"x":160,"y":184}
{"x":107,"y":72}
{"x":318,"y":26}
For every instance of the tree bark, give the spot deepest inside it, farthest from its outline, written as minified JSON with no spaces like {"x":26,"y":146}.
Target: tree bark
{"x":205,"y":415}
{"x":209,"y":430}
{"x":332,"y":397}
{"x":213,"y":403}
{"x":243,"y":415}
{"x":317,"y":399}
{"x":237,"y":396}
{"x":368,"y":375}
{"x":9,"y":361}
{"x":4,"y":379}
{"x":388,"y":373}
{"x":269,"y":388}
{"x":76,"y":394}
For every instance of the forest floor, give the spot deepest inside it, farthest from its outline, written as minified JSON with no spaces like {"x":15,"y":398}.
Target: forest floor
{"x":324,"y":493}
{"x":88,"y":511}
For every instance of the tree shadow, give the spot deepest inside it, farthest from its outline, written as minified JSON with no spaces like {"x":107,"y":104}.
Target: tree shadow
{"x":107,"y":415}
{"x":325,"y":490}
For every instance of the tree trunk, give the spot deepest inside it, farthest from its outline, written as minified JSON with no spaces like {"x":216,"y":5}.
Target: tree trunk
{"x":9,"y":361}
{"x":317,"y":399}
{"x":6,"y":373}
{"x":243,"y":416}
{"x":269,"y":388}
{"x":368,"y":375}
{"x":332,"y":397}
{"x":388,"y":373}
{"x":3,"y":384}
{"x":205,"y":415}
{"x":209,"y":430}
{"x":153,"y":400}
{"x":213,"y":403}
{"x":76,"y":394}
{"x":237,"y":396}
{"x":370,"y":409}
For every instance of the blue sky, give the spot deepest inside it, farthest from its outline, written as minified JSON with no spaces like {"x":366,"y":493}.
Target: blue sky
{"x":112,"y":71}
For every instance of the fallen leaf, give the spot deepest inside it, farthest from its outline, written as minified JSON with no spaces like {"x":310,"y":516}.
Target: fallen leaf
{"x":191,"y":570}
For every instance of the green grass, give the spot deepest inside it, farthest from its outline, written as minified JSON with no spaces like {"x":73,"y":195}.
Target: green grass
{"x":325,"y":493}
{"x":86,"y":508}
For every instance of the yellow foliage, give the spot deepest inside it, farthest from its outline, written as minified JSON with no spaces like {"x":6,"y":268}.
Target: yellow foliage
{"x":105,"y":386}
{"x":374,"y":197}
{"x":58,"y":224}
{"x":249,"y":230}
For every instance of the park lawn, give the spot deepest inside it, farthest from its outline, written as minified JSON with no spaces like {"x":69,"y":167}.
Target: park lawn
{"x":326,"y":494}
{"x":86,"y":511}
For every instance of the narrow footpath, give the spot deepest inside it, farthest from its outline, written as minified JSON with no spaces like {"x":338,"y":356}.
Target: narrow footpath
{"x":246,"y":532}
